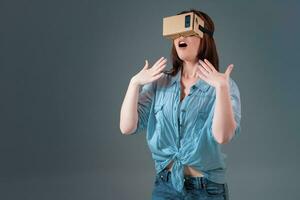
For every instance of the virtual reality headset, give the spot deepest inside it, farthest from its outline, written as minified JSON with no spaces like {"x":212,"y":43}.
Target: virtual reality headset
{"x":186,"y":24}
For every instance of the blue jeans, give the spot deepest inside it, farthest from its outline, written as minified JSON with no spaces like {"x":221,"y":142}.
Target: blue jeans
{"x":199,"y":188}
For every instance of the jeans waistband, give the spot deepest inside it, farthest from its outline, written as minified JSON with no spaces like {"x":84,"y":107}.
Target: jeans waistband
{"x":196,"y":182}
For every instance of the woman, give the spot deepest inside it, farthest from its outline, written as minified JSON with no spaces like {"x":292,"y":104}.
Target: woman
{"x":189,"y":112}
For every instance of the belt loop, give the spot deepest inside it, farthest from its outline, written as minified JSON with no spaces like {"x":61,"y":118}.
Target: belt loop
{"x":202,"y":183}
{"x":198,"y":182}
{"x":168,"y":173}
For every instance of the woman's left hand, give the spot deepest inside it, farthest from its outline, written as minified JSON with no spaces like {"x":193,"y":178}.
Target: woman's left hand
{"x":209,"y":74}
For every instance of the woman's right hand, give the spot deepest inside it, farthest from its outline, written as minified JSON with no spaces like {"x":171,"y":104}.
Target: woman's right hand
{"x":147,"y":75}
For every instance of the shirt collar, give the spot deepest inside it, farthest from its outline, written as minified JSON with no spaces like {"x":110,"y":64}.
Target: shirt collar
{"x":199,"y":84}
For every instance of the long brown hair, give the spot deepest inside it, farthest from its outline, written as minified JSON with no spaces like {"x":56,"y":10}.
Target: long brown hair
{"x":207,"y":49}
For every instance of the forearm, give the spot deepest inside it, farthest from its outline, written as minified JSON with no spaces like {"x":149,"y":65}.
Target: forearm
{"x":129,"y":114}
{"x":223,"y":124}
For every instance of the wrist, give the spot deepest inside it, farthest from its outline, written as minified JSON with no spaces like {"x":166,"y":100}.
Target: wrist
{"x":222,"y":85}
{"x":134,"y":82}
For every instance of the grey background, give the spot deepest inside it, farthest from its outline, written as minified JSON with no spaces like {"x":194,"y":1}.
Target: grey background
{"x":65,"y":68}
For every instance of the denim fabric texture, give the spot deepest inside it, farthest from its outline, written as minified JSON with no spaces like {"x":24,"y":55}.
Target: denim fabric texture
{"x":195,"y":188}
{"x":183,"y":134}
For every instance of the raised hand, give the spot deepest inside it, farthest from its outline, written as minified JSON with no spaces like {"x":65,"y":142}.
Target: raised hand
{"x":209,"y":74}
{"x":147,"y":75}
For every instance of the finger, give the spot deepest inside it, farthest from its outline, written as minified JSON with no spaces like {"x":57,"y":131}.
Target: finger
{"x":159,"y":70}
{"x":158,"y":61}
{"x":205,"y":66}
{"x":229,"y":69}
{"x":202,"y":76}
{"x":157,"y":67}
{"x":161,"y":62}
{"x":209,"y":65}
{"x":157,"y":76}
{"x":203,"y":70}
{"x":199,"y":72}
{"x":146,"y":64}
{"x":160,"y":65}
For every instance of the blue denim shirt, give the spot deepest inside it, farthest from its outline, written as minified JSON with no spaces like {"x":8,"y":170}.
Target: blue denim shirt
{"x":184,"y":134}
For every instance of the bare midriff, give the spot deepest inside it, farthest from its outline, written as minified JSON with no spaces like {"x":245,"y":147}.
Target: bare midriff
{"x":188,"y":170}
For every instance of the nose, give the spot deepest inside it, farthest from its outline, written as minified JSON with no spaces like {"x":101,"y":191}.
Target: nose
{"x":179,"y":37}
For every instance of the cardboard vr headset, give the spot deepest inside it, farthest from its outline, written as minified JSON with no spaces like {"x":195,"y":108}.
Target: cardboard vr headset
{"x":186,"y":24}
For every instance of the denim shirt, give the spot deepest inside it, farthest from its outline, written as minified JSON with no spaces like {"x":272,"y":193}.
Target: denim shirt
{"x":184,"y":134}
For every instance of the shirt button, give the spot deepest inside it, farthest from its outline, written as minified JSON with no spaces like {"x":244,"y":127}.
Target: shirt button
{"x":193,"y":87}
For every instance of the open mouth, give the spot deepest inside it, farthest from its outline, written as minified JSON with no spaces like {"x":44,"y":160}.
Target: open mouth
{"x":182,"y":44}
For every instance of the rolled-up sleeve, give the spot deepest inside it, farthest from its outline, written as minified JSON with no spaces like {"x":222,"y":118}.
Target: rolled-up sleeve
{"x":236,"y":106}
{"x":145,"y":99}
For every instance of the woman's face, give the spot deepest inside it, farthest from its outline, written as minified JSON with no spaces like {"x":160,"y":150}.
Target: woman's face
{"x":187,"y":48}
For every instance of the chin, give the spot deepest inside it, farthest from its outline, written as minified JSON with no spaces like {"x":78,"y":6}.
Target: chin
{"x":187,"y":58}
